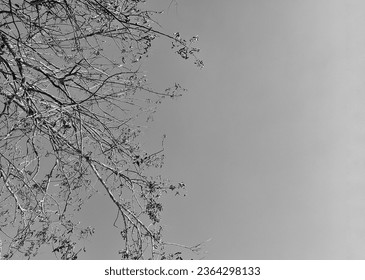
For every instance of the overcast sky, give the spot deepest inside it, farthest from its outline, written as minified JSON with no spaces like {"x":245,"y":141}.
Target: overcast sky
{"x":270,"y":138}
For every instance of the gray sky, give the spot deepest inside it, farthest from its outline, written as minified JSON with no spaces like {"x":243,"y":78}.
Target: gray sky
{"x":270,"y":137}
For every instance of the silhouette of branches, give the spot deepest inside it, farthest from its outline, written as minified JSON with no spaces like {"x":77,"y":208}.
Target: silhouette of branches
{"x":73,"y":99}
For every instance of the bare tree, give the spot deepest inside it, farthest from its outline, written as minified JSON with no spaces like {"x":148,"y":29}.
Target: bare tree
{"x":73,"y":102}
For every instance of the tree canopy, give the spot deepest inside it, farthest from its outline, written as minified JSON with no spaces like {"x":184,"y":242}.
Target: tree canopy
{"x":73,"y":100}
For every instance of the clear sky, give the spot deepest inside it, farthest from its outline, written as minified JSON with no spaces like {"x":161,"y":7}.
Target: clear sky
{"x":270,"y":137}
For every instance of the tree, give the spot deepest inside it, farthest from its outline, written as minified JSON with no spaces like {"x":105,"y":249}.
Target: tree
{"x":73,"y":100}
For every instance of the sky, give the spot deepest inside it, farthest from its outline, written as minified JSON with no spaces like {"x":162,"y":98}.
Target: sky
{"x":269,"y":139}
